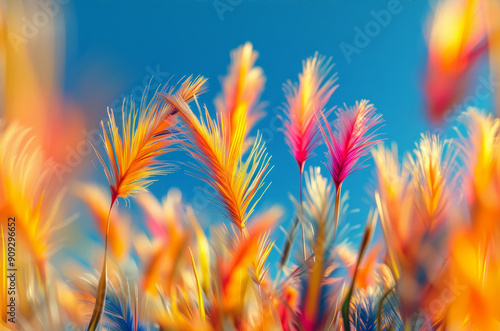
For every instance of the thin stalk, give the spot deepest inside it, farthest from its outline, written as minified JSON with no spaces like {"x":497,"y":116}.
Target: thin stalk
{"x":337,"y":209}
{"x":301,"y":211}
{"x":101,"y":288}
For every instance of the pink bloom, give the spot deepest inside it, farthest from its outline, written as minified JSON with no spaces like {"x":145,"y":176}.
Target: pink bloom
{"x":303,"y":103}
{"x":356,"y":133}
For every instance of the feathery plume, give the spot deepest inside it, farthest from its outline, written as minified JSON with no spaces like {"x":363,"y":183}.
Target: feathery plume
{"x":132,"y":155}
{"x":414,"y":204}
{"x":239,"y":102}
{"x":303,"y":103}
{"x":238,"y":183}
{"x":431,"y":168}
{"x":356,"y":134}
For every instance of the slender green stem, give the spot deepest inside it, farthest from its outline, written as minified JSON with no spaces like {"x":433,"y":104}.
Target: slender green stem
{"x":101,"y":288}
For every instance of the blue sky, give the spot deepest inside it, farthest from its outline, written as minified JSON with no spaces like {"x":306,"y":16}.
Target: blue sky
{"x":113,"y":47}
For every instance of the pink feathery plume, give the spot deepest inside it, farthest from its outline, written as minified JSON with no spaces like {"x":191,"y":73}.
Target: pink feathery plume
{"x":303,"y":103}
{"x":356,"y":132}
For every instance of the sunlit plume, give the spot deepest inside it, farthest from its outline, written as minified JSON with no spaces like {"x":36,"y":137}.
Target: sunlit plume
{"x":132,"y":156}
{"x":238,"y":183}
{"x":432,"y":172}
{"x":239,"y":103}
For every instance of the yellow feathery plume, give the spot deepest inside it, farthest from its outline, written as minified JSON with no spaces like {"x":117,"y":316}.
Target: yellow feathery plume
{"x":431,"y":168}
{"x":238,"y":183}
{"x":132,"y":155}
{"x":241,"y":90}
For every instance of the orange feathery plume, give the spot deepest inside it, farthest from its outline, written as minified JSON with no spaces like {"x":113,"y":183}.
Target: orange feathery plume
{"x":133,"y":157}
{"x":431,"y":169}
{"x":414,"y":206}
{"x":238,"y":183}
{"x":133,"y":154}
{"x":475,"y":254}
{"x":304,"y":103}
{"x":356,"y":134}
{"x":241,"y":90}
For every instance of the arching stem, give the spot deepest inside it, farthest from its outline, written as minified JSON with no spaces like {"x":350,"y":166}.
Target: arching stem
{"x":100,"y":300}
